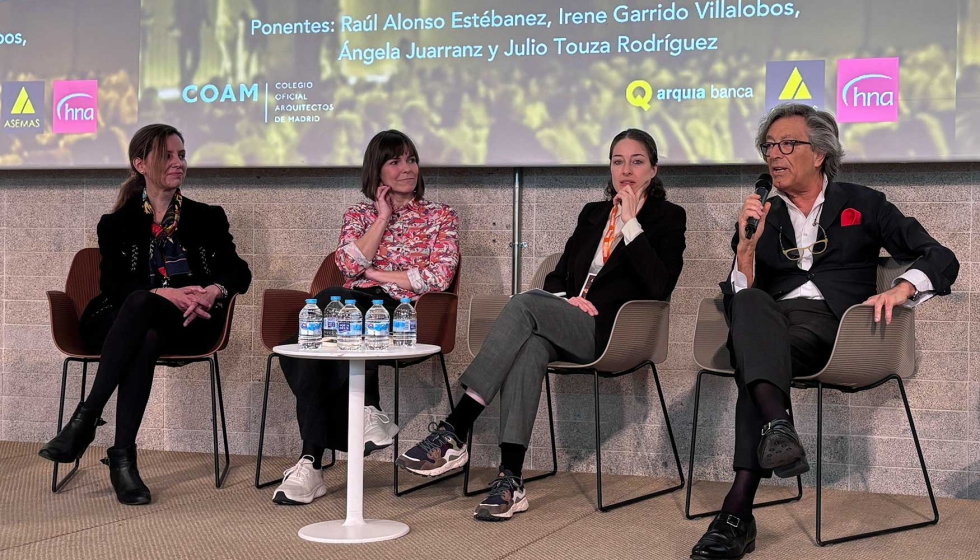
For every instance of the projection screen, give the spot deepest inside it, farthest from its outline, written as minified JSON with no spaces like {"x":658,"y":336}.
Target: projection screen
{"x":257,"y":83}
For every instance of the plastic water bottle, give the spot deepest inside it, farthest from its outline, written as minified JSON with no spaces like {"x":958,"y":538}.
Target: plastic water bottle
{"x":376,"y":327}
{"x":405,"y":324}
{"x":330,"y":314}
{"x":349,"y":327}
{"x":310,"y":326}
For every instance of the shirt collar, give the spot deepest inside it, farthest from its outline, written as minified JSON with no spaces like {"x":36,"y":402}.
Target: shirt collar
{"x":816,"y":204}
{"x":411,"y":206}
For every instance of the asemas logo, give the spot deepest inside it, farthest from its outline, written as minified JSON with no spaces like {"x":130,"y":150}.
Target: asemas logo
{"x":76,"y":107}
{"x":867,"y":90}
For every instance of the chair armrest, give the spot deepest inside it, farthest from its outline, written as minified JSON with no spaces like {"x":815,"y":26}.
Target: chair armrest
{"x":280,"y":315}
{"x":640,"y":333}
{"x":65,"y":330}
{"x":866,"y":352}
{"x":484,"y":311}
{"x":711,"y":337}
{"x":437,"y":313}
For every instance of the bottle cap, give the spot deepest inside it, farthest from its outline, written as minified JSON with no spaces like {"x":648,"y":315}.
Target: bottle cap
{"x":350,"y":302}
{"x":406,"y":300}
{"x":378,"y":302}
{"x":309,"y":301}
{"x":334,"y":298}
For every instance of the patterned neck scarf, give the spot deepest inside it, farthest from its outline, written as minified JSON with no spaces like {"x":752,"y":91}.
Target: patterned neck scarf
{"x":167,"y":257}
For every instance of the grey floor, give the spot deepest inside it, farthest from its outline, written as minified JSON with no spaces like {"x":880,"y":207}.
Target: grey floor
{"x":189,"y":518}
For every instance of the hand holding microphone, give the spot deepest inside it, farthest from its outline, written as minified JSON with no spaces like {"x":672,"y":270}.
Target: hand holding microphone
{"x":752,"y":218}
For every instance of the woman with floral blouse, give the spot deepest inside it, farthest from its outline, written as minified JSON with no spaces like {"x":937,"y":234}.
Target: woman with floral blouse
{"x":398,"y":245}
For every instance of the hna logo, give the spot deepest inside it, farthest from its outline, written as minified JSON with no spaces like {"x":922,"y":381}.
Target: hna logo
{"x":212,"y":94}
{"x":867,"y":90}
{"x":76,"y":106}
{"x":855,"y":97}
{"x":72,"y":111}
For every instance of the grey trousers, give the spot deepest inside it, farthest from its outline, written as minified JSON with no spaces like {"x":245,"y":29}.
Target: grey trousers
{"x":532,"y":331}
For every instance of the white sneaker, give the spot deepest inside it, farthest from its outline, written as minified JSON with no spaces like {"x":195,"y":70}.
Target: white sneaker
{"x":379,"y":430}
{"x":301,"y":484}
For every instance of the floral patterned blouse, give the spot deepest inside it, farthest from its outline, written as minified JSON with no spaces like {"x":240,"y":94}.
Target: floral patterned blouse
{"x":421,"y":240}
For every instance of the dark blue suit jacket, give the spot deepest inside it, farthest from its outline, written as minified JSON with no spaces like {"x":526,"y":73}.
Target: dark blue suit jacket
{"x":846,"y":273}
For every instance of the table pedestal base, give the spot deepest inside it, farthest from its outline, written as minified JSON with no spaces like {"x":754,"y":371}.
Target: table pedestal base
{"x":373,"y":530}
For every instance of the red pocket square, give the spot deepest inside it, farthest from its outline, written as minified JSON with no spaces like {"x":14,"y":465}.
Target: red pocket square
{"x":850,"y":217}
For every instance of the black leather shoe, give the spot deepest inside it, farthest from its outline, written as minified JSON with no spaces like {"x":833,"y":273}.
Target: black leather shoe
{"x":125,"y":478}
{"x":728,"y":538}
{"x":72,"y":441}
{"x":794,"y":469}
{"x":781,"y":450}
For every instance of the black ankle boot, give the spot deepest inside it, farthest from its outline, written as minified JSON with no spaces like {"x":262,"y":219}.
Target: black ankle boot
{"x":125,"y":478}
{"x":72,"y":441}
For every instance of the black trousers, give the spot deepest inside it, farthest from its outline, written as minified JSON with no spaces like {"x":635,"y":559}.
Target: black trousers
{"x":132,"y":338}
{"x":773,"y":341}
{"x":321,"y":386}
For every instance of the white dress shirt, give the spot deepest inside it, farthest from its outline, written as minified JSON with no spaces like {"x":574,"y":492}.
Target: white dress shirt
{"x":626,"y":232}
{"x":806,"y":232}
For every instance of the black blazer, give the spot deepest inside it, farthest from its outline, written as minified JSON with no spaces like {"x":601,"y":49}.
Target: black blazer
{"x":846,"y":272}
{"x":645,"y":269}
{"x":124,"y":242}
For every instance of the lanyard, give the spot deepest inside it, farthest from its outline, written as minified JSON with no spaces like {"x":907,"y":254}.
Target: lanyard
{"x":607,"y":240}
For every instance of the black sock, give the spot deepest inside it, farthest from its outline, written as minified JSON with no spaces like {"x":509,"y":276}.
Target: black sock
{"x":739,"y":500}
{"x":315,"y":452}
{"x":512,"y":458}
{"x":464,"y":415}
{"x":770,"y":399}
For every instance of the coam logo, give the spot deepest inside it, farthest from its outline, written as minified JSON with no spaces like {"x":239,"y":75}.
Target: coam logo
{"x":211,"y":93}
{"x":76,"y":106}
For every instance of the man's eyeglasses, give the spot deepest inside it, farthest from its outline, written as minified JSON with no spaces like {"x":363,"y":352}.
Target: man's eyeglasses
{"x":786,"y":147}
{"x":797,"y":253}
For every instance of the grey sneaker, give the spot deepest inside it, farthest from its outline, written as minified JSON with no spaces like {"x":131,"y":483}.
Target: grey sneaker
{"x":301,"y":484}
{"x":507,"y":497}
{"x":379,"y":430}
{"x":440,"y":452}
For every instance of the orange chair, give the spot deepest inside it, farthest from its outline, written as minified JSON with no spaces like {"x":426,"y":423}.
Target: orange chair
{"x":81,"y":287}
{"x":280,"y":308}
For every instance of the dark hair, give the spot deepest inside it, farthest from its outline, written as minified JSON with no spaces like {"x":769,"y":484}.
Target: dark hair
{"x":386,"y":145}
{"x":655,"y":191}
{"x":147,"y":139}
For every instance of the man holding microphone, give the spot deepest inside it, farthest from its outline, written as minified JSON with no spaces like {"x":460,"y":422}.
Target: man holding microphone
{"x":813,"y":254}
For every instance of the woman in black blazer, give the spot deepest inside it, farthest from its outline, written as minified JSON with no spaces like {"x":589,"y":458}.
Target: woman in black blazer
{"x":628,"y":247}
{"x":168,"y":267}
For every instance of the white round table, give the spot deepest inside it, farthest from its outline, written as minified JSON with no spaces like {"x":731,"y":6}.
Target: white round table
{"x":355,"y":529}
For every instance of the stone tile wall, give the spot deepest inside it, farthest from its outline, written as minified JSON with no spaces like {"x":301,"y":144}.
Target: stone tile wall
{"x":285,"y":221}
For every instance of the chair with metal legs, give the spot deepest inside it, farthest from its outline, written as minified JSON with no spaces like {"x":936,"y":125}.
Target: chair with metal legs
{"x":81,"y":286}
{"x":484,"y":311}
{"x":712,"y":358}
{"x":278,"y":323}
{"x":647,"y":324}
{"x":66,"y":307}
{"x":865,"y":356}
{"x":436,"y":315}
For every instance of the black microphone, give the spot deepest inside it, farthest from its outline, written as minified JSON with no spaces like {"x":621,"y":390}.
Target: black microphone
{"x":763,"y":186}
